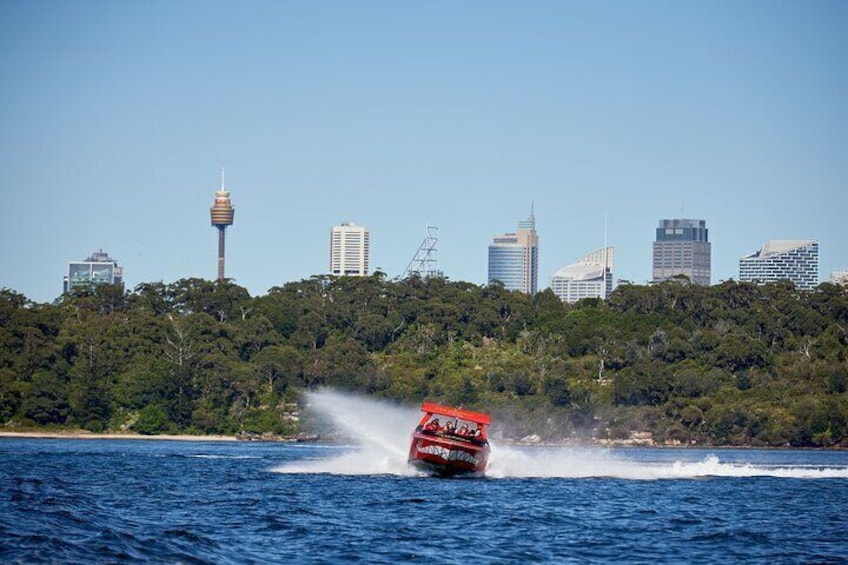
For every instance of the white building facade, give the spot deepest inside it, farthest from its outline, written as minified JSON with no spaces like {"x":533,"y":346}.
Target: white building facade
{"x":350,"y":250}
{"x":839,"y":277}
{"x":590,"y":277}
{"x":793,"y":260}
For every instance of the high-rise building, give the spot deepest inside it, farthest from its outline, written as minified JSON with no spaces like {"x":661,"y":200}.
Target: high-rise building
{"x":514,"y":258}
{"x":793,"y":260}
{"x":682,"y":247}
{"x":839,"y":277}
{"x":590,"y":277}
{"x":223,"y":214}
{"x":350,"y":250}
{"x":99,"y":268}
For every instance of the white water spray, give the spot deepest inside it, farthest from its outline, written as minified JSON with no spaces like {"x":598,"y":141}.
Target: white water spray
{"x":596,"y":462}
{"x":382,"y":432}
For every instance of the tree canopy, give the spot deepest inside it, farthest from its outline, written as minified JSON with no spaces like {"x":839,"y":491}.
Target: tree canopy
{"x":731,"y":364}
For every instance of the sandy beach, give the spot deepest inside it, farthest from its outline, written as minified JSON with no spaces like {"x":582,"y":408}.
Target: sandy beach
{"x":81,"y":434}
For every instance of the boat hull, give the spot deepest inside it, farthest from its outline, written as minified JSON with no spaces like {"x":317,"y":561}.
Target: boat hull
{"x":448,"y":456}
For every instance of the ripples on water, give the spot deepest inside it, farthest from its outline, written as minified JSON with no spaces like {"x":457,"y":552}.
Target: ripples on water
{"x":75,"y":501}
{"x":95,"y":501}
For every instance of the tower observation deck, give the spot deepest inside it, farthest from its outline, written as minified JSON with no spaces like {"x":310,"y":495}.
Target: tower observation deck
{"x":222,"y":214}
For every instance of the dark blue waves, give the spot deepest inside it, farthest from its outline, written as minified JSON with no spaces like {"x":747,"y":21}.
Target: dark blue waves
{"x":103,"y":501}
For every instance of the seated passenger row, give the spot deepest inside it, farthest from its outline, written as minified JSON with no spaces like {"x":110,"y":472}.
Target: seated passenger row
{"x":450,"y":428}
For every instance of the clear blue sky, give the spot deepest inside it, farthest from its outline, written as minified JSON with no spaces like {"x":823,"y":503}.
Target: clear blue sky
{"x":118,"y":116}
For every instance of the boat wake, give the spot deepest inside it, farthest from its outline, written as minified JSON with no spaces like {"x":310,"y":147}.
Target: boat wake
{"x":381,"y":433}
{"x":593,"y":462}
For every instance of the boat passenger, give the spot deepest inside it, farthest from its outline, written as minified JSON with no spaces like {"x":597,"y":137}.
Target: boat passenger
{"x":450,"y":427}
{"x":463,"y":431}
{"x":433,"y":426}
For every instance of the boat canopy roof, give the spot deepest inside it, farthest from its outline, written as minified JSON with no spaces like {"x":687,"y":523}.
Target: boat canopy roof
{"x":460,"y":413}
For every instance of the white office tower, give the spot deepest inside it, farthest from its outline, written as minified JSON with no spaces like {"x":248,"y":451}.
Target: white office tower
{"x":793,"y":260}
{"x":590,"y":277}
{"x":350,"y":250}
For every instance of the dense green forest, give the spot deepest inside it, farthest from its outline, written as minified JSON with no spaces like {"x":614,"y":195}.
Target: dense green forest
{"x":731,"y":364}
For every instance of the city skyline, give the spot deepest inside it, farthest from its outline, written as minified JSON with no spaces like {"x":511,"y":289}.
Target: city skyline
{"x":582,"y":272}
{"x":119,"y":117}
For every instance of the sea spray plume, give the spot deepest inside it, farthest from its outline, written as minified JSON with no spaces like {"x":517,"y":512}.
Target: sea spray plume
{"x":364,"y":420}
{"x":379,"y":429}
{"x":382,"y":432}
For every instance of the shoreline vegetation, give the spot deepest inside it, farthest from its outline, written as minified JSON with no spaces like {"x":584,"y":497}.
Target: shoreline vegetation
{"x":734,"y":364}
{"x":310,"y":438}
{"x":86,"y":435}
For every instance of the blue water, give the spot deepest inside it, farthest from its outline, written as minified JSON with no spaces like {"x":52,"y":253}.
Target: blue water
{"x":124,"y":501}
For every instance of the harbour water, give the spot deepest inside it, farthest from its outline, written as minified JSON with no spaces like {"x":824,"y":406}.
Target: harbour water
{"x":126,"y":501}
{"x":123,"y":501}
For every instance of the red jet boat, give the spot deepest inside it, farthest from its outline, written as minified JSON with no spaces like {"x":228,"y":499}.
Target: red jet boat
{"x":450,"y":441}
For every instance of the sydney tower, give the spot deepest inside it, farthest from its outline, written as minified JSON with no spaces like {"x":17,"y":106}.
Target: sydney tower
{"x":222,"y":216}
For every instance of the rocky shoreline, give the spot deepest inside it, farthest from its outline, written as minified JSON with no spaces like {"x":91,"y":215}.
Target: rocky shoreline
{"x":302,"y":437}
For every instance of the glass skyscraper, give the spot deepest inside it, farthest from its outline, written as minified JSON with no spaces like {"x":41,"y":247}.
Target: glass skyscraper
{"x":793,"y":260}
{"x":514,"y":258}
{"x":97,"y":269}
{"x":682,"y":247}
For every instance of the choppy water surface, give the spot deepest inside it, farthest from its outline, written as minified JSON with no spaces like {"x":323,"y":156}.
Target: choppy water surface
{"x":123,"y":501}
{"x":83,"y":501}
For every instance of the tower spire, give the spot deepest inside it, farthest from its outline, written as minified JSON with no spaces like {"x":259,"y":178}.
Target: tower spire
{"x":222,"y":213}
{"x":530,"y":222}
